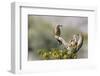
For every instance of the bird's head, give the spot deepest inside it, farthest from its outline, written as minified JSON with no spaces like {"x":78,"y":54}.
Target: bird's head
{"x":59,"y":25}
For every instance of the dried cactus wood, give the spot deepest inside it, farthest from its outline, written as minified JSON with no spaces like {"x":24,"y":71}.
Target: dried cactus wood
{"x":73,"y":45}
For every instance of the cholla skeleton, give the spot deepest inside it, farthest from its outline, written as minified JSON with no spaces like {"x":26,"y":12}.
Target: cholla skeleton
{"x":76,"y":42}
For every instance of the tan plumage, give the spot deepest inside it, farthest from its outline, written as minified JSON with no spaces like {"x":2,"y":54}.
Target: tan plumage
{"x":75,"y":43}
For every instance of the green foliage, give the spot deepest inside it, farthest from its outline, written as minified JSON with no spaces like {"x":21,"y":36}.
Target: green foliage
{"x":55,"y":53}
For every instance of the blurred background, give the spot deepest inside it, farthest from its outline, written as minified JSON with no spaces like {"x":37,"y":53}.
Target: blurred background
{"x":40,"y":33}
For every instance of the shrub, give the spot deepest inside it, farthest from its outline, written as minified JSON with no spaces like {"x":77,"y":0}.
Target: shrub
{"x":55,"y":53}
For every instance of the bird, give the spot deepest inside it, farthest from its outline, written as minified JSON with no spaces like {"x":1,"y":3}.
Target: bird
{"x":72,"y":45}
{"x":75,"y":43}
{"x":57,"y":32}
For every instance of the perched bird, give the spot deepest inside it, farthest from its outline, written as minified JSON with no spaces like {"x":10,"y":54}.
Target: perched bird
{"x":75,"y":43}
{"x":72,"y":45}
{"x":57,"y":32}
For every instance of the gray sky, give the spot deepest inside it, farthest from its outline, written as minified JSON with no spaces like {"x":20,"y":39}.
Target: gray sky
{"x":74,"y":21}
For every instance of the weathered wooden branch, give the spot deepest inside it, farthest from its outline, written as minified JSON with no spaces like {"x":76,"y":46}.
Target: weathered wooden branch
{"x":62,"y":40}
{"x":73,"y":45}
{"x":80,"y":42}
{"x":68,"y":46}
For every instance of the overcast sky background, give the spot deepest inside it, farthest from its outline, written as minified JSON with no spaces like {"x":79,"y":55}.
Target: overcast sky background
{"x":74,"y":21}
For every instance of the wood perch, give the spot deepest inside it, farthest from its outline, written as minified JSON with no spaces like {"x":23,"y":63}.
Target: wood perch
{"x":75,"y":43}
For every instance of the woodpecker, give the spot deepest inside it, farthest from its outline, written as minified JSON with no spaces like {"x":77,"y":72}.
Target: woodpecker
{"x":57,"y":32}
